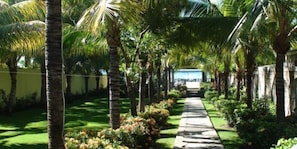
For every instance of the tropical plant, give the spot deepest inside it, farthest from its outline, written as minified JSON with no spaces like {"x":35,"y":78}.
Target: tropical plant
{"x":21,"y":30}
{"x":108,"y":13}
{"x":54,"y":71}
{"x":278,"y":20}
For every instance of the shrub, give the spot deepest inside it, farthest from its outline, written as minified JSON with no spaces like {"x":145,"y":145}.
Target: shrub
{"x":82,"y":139}
{"x":208,"y":95}
{"x":160,"y":115}
{"x":227,"y":108}
{"x":182,"y":89}
{"x":134,"y":132}
{"x":264,"y":131}
{"x":173,"y":94}
{"x":164,"y":104}
{"x":286,"y":143}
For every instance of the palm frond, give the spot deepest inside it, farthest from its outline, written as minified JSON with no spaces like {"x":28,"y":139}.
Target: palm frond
{"x":207,"y":29}
{"x":23,"y":35}
{"x":3,"y":5}
{"x":97,"y":13}
{"x":79,"y":42}
{"x":22,"y":12}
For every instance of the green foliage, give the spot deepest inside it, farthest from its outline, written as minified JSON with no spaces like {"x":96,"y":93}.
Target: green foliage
{"x":174,"y":94}
{"x":286,"y":143}
{"x":227,"y":108}
{"x":165,"y":104}
{"x":160,"y":115}
{"x":208,"y":95}
{"x":27,"y":101}
{"x":134,"y":132}
{"x":264,"y":131}
{"x":183,"y":90}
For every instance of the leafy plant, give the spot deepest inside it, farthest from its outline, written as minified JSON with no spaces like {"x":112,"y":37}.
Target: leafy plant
{"x":286,"y":143}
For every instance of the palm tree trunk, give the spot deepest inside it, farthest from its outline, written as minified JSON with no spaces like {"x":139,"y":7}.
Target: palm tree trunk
{"x":219,"y":86}
{"x":142,"y":79}
{"x":151,"y":87}
{"x":238,"y":84}
{"x":43,"y":85}
{"x":280,"y":83}
{"x":132,"y":96}
{"x":142,"y":91}
{"x":12,"y":66}
{"x":159,"y":79}
{"x":53,"y":56}
{"x":166,"y":82}
{"x":226,"y":84}
{"x":114,"y":89}
{"x":250,"y":62}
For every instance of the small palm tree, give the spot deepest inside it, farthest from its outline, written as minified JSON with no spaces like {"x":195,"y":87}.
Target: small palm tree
{"x":20,"y":31}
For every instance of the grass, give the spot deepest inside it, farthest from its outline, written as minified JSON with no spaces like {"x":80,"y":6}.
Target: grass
{"x":228,"y":135}
{"x":28,"y":129}
{"x":168,"y":134}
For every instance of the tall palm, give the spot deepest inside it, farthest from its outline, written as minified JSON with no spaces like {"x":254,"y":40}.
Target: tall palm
{"x":53,"y":60}
{"x":19,"y":32}
{"x":108,"y":12}
{"x":279,"y":19}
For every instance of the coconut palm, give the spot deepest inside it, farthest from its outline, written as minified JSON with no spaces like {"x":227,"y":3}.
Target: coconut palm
{"x":109,"y":13}
{"x":54,"y":75}
{"x":278,"y":19}
{"x":20,"y":31}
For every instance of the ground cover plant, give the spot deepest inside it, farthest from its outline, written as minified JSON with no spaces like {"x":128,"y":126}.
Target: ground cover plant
{"x":257,"y":127}
{"x":140,"y":131}
{"x":227,"y":134}
{"x":168,"y":133}
{"x":85,"y":118}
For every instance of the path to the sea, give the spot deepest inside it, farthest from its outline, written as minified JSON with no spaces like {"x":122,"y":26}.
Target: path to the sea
{"x":196,"y":130}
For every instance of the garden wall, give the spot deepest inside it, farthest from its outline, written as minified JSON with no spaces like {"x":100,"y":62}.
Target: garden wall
{"x":29,"y":82}
{"x":264,"y":85}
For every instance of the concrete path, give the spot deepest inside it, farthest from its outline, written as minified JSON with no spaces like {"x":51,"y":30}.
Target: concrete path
{"x":196,"y":130}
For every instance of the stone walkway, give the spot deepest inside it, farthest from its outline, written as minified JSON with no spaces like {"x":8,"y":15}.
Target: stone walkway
{"x":196,"y":130}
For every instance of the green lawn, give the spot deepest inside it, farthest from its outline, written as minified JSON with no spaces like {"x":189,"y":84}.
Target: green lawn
{"x":168,"y":134}
{"x":28,"y":129}
{"x":228,"y":135}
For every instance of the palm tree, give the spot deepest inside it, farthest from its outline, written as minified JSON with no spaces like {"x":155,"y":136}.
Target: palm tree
{"x":109,"y":12}
{"x":19,"y":31}
{"x":54,"y":75}
{"x":278,"y":18}
{"x":281,"y":21}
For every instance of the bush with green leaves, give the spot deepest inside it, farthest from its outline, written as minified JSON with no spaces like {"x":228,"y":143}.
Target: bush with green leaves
{"x":135,"y":132}
{"x":173,"y":94}
{"x":208,"y":95}
{"x":283,"y":143}
{"x":160,"y":115}
{"x":165,"y":104}
{"x":265,"y":131}
{"x":183,"y":90}
{"x":227,"y":108}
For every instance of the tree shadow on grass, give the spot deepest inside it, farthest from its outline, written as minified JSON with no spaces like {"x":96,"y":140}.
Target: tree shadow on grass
{"x":24,"y":146}
{"x":90,"y":113}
